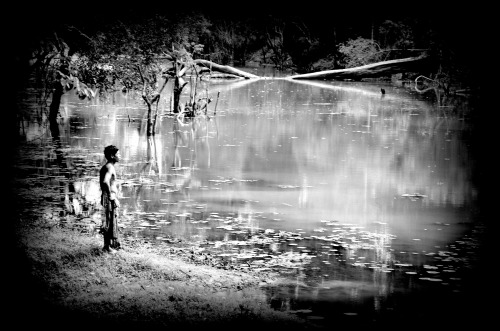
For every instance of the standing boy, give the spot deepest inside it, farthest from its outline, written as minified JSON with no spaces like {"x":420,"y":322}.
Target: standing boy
{"x":109,"y":200}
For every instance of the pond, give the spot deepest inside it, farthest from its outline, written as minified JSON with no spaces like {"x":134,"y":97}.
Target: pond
{"x":366,"y":201}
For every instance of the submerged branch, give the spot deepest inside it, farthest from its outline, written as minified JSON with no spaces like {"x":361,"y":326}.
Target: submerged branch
{"x":427,"y":89}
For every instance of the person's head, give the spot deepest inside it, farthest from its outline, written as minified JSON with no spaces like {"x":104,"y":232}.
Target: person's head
{"x":111,"y":153}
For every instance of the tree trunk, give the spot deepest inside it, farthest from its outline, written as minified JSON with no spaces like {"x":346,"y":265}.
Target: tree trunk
{"x":54,"y":129}
{"x":150,"y":126}
{"x":373,"y":70}
{"x":56,"y":102}
{"x":156,"y":114}
{"x":179,"y":84}
{"x":225,"y":69}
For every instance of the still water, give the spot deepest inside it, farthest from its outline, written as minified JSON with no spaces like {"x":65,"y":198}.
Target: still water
{"x":370,"y":197}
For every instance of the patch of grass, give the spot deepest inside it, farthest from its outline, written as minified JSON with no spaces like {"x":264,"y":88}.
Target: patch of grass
{"x":69,"y":277}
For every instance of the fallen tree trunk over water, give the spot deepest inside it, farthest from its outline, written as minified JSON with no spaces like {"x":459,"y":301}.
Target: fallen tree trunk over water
{"x":224,"y":69}
{"x":370,"y":70}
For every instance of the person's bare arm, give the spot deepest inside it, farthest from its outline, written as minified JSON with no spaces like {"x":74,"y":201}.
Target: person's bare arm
{"x":111,"y":183}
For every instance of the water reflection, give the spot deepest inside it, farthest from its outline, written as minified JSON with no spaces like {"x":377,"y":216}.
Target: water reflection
{"x":361,"y":195}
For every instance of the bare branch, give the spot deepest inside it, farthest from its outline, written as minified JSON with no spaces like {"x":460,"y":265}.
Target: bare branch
{"x":143,"y":83}
{"x":157,"y":95}
{"x":71,"y":27}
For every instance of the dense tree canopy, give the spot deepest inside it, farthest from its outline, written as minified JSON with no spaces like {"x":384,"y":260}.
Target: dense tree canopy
{"x":125,"y":47}
{"x":278,"y":35}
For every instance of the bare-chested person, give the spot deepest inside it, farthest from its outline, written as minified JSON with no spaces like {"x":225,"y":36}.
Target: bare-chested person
{"x":109,"y":199}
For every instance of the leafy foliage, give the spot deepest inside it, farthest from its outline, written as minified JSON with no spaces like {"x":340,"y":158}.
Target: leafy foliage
{"x":358,"y":52}
{"x":396,"y":35}
{"x":276,"y":42}
{"x":129,"y":51}
{"x":55,"y":65}
{"x":141,"y":54}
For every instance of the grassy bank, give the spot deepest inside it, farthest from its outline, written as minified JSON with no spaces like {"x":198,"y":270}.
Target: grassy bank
{"x":63,"y":279}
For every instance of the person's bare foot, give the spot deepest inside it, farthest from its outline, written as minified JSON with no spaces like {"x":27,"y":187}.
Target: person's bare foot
{"x":109,"y":250}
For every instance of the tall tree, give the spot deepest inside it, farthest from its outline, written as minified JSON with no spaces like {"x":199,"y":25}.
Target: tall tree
{"x":57,"y":69}
{"x":143,"y":57}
